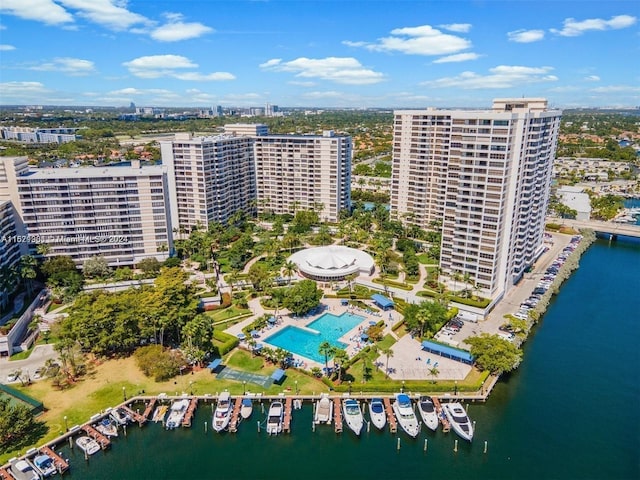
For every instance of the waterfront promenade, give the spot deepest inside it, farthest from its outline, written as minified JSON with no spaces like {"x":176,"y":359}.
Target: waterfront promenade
{"x":612,"y":228}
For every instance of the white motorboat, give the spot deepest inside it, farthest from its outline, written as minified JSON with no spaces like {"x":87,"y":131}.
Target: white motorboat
{"x":120,"y":416}
{"x":176,"y":413}
{"x":88,"y":445}
{"x":21,"y":470}
{"x":459,"y":420}
{"x":246,"y":409}
{"x":324,"y":410}
{"x":222,"y":415}
{"x":107,"y":428}
{"x":353,"y":415}
{"x":45,"y":465}
{"x":377,"y":413}
{"x":275,"y":418}
{"x":406,"y":416}
{"x":428,"y":412}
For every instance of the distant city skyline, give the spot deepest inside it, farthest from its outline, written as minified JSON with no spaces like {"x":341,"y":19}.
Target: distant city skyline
{"x":349,"y":54}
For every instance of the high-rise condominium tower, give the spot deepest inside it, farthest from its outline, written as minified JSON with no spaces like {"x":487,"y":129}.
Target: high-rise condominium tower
{"x":484,"y":178}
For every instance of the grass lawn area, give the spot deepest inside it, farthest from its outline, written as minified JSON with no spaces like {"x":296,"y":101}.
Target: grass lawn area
{"x":22,"y":355}
{"x":227,"y":313}
{"x":425,"y":259}
{"x":386,"y":342}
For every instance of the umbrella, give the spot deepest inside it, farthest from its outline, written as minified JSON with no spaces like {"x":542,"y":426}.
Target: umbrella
{"x":272,"y":320}
{"x":255,"y":333}
{"x":372,"y":322}
{"x":364,"y":336}
{"x":241,"y":336}
{"x":258,"y":346}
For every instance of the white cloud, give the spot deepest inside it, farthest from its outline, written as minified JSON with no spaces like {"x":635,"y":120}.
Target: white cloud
{"x":573,"y":28}
{"x":138,"y":91}
{"x":72,"y":66}
{"x":456,"y":27}
{"x":526,"y":36}
{"x":328,"y":94}
{"x":176,"y":30}
{"x":502,"y":76}
{"x":156,"y":66}
{"x":592,"y":78}
{"x":45,"y":11}
{"x":19,"y":92}
{"x":302,"y":83}
{"x":111,"y":14}
{"x":458,"y":57}
{"x":616,"y":89}
{"x":6,"y":48}
{"x":349,"y":43}
{"x":346,"y":70}
{"x":421,"y":40}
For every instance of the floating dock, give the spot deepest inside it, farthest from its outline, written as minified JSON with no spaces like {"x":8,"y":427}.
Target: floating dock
{"x":5,"y":475}
{"x":193,"y":404}
{"x":391,"y":418}
{"x":235,"y":416}
{"x":441,"y":415}
{"x":286,"y":424}
{"x":149,"y":410}
{"x":60,"y":463}
{"x":96,"y":435}
{"x":134,"y":415}
{"x":337,"y":415}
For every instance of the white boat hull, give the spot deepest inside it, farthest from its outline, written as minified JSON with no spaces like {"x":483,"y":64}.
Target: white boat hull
{"x":354,"y":420}
{"x":459,"y":420}
{"x":429,"y":416}
{"x":323,"y":410}
{"x":378,"y":418}
{"x":406,"y":418}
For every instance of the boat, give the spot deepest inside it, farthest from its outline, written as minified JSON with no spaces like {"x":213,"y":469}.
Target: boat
{"x":428,"y":412}
{"x":176,"y":413}
{"x":246,"y":409}
{"x":45,"y":465}
{"x":107,"y":428}
{"x":324,"y":410}
{"x":88,"y":445}
{"x":459,"y":420}
{"x":222,"y":415}
{"x":21,"y":470}
{"x":377,"y":413}
{"x":353,"y":415}
{"x":406,"y":416}
{"x":275,"y":418}
{"x":159,"y":413}
{"x":120,"y":416}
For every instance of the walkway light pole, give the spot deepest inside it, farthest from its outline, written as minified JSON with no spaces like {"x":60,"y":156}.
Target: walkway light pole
{"x":66,"y":427}
{"x":296,"y":382}
{"x":124,"y":393}
{"x":244,"y":387}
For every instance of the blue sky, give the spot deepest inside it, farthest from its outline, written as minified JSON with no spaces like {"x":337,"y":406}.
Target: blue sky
{"x":342,"y":53}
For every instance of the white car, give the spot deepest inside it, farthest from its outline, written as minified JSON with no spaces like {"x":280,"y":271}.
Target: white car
{"x":13,"y":377}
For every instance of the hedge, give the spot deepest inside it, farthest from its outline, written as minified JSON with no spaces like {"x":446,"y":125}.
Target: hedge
{"x":391,"y":283}
{"x":229,"y":342}
{"x":470,"y":302}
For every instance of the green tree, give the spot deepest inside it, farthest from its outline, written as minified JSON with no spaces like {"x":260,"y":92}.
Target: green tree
{"x":428,"y":316}
{"x":340,"y":357}
{"x":388,"y":352}
{"x":150,"y":266}
{"x":302,"y":297}
{"x":197,"y":338}
{"x":154,"y":361}
{"x":260,"y":276}
{"x":96,"y":267}
{"x":289,"y":268}
{"x":28,"y":271}
{"x":18,"y":427}
{"x":327,"y":350}
{"x":494,"y":353}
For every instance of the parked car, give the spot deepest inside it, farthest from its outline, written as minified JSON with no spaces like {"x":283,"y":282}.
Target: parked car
{"x":13,"y":377}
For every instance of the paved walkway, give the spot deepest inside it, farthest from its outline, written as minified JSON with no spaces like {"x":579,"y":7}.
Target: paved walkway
{"x":37,"y":359}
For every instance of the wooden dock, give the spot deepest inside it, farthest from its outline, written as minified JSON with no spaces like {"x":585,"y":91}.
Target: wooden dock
{"x":60,"y":463}
{"x":188,"y":416}
{"x":134,"y":415}
{"x":97,"y":436}
{"x":391,"y":418}
{"x":5,"y":475}
{"x":235,"y":416}
{"x":149,"y":410}
{"x":286,"y":424}
{"x":441,"y":415}
{"x":337,"y":415}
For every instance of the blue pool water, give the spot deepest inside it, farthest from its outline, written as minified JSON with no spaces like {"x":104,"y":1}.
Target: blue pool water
{"x":305,"y":343}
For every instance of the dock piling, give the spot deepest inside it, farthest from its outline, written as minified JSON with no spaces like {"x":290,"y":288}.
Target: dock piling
{"x":426,"y":444}
{"x":455,"y":446}
{"x":485,"y":447}
{"x":398,"y":447}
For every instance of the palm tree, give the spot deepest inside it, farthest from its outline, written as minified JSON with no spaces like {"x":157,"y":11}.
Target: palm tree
{"x":434,"y":372}
{"x":327,"y":350}
{"x":43,"y":249}
{"x":456,"y":276}
{"x":340,"y":357}
{"x":388,"y":353}
{"x":28,"y":271}
{"x":350,"y":278}
{"x":289,"y":269}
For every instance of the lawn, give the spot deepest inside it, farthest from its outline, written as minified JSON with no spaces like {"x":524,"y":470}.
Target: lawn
{"x":227,"y":313}
{"x":386,"y":342}
{"x":425,"y":259}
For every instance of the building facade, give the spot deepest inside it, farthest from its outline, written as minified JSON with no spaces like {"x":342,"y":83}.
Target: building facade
{"x":210,"y":178}
{"x":304,"y":172}
{"x":120,"y":213}
{"x":10,"y":252}
{"x":484,"y":178}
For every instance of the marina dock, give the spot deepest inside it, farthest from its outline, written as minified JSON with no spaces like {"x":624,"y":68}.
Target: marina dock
{"x":286,"y":424}
{"x":134,"y":415}
{"x":235,"y":416}
{"x":337,"y":415}
{"x":443,"y":418}
{"x":391,"y":419}
{"x":149,"y":410}
{"x":4,"y":475}
{"x":193,"y":404}
{"x":96,"y":435}
{"x":60,"y":463}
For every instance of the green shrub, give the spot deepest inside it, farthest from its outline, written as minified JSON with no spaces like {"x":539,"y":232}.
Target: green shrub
{"x":229,"y":342}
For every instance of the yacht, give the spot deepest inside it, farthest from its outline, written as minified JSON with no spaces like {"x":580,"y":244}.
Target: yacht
{"x":222,"y":415}
{"x":275,"y":418}
{"x":176,"y":413}
{"x":88,"y":445}
{"x":459,"y":420}
{"x":45,"y":465}
{"x":21,"y":470}
{"x":324,"y":410}
{"x":107,"y":428}
{"x":428,"y":412}
{"x":406,"y":416}
{"x":377,"y":414}
{"x":120,"y":416}
{"x":353,"y":415}
{"x":246,"y":409}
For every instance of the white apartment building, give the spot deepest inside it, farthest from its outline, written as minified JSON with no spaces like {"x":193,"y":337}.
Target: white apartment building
{"x":121,"y":213}
{"x":246,"y":129}
{"x":485,"y":177}
{"x":210,"y":178}
{"x":39,"y":135}
{"x":9,"y":252}
{"x":304,"y":172}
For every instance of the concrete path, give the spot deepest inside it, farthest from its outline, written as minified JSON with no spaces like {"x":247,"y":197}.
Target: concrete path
{"x":37,"y":359}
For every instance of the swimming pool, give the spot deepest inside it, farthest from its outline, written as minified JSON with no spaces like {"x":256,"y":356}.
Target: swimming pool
{"x":304,"y":342}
